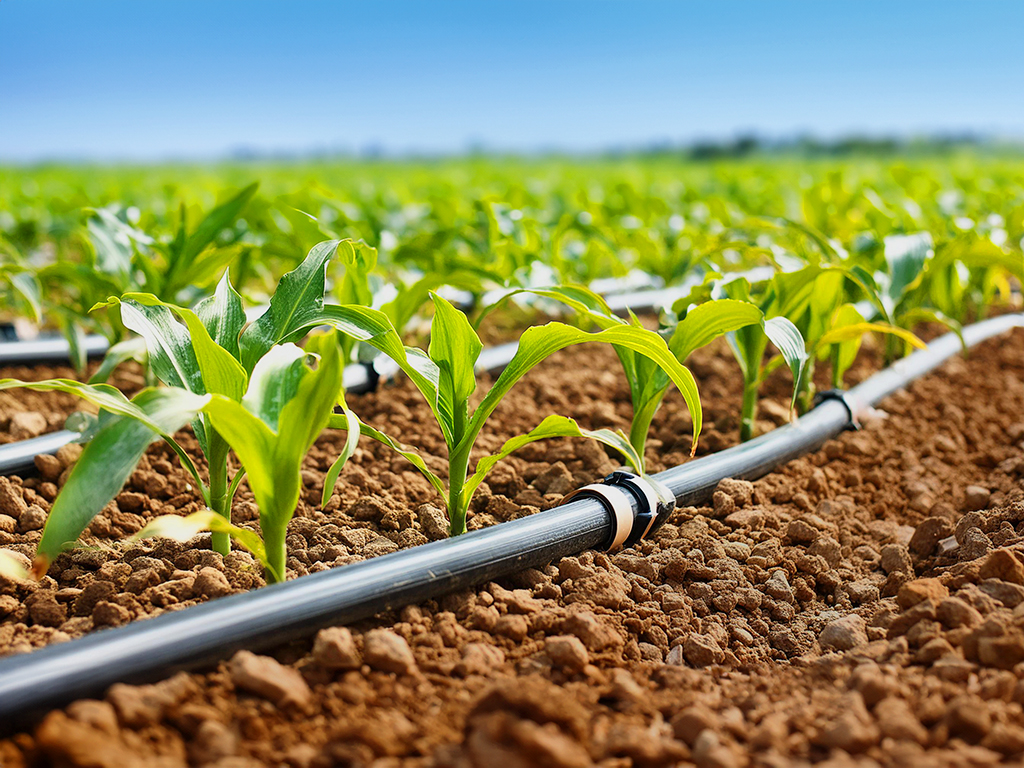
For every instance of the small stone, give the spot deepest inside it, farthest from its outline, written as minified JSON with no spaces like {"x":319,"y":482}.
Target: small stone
{"x":974,"y":544}
{"x":32,"y":519}
{"x":1005,"y":738}
{"x":702,"y":651}
{"x":568,"y":652}
{"x":1003,"y":652}
{"x":49,"y":467}
{"x":801,"y":532}
{"x":710,"y":752}
{"x":44,"y":609}
{"x":722,"y":504}
{"x":913,"y":592}
{"x":68,"y":742}
{"x":211,"y":742}
{"x":778,"y":587}
{"x":896,"y":720}
{"x":862,"y":592}
{"x":690,"y":723}
{"x":433,"y":521}
{"x":954,"y":612}
{"x":210,"y":582}
{"x":269,"y":679}
{"x":969,"y":718}
{"x":335,"y":648}
{"x":896,"y":559}
{"x":976,"y":497}
{"x":68,"y":454}
{"x":108,"y":614}
{"x":594,"y":633}
{"x":479,"y":659}
{"x":843,"y":634}
{"x":1002,"y":564}
{"x":388,"y":652}
{"x":741,"y":491}
{"x":27,"y":424}
{"x":11,"y":501}
{"x":852,"y":731}
{"x":928,"y":534}
{"x":1010,"y":595}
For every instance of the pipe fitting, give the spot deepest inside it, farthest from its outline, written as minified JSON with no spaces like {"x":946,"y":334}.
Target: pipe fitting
{"x":637,"y":506}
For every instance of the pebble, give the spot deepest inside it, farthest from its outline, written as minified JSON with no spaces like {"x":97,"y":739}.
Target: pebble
{"x":976,"y":497}
{"x":844,"y":634}
{"x":913,"y":592}
{"x":49,"y":466}
{"x":11,"y":501}
{"x":387,"y":651}
{"x":701,"y":650}
{"x":27,"y":424}
{"x":1002,"y":564}
{"x":269,"y":679}
{"x":211,"y":582}
{"x":32,"y":519}
{"x":928,"y":534}
{"x":778,"y":587}
{"x":479,"y":659}
{"x":335,"y":648}
{"x":567,"y":652}
{"x":433,"y":521}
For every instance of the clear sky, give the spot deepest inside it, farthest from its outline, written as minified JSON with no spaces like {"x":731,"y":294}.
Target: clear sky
{"x":157,"y":79}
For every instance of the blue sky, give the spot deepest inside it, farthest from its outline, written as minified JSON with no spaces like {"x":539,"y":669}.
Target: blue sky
{"x":157,"y":79}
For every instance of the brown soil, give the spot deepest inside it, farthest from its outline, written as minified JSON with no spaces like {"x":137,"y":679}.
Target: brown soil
{"x":863,"y":601}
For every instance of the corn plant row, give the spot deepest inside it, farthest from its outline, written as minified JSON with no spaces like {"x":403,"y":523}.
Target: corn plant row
{"x":248,"y":387}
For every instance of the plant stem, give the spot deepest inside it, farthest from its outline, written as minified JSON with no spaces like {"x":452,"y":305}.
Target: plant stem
{"x":749,"y":412}
{"x":219,"y":501}
{"x":277,"y":551}
{"x":458,"y":468}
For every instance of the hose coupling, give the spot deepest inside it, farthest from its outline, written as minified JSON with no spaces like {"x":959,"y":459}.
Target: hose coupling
{"x":637,"y":506}
{"x":849,"y":402}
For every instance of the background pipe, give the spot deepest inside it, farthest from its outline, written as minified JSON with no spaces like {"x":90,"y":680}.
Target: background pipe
{"x":154,"y":648}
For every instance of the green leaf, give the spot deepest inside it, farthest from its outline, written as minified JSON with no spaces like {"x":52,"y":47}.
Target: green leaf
{"x":912,"y":317}
{"x":220,"y":373}
{"x":298,"y":300}
{"x":553,"y":426}
{"x":706,"y":322}
{"x":539,"y":342}
{"x":110,"y":458}
{"x":790,"y":342}
{"x":454,"y":348}
{"x":129,"y":349}
{"x":185,"y":528}
{"x":184,"y":256}
{"x":172,"y":357}
{"x":74,"y":333}
{"x":906,"y":256}
{"x":274,"y":382}
{"x":331,"y":478}
{"x":223,"y":316}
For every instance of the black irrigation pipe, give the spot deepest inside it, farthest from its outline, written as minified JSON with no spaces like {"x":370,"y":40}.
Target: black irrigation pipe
{"x":48,"y":349}
{"x":195,"y":637}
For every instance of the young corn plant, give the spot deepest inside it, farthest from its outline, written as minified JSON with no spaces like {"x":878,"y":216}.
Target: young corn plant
{"x":122,"y":258}
{"x":446,"y":378}
{"x":286,"y":406}
{"x":208,"y":358}
{"x":686,"y":328}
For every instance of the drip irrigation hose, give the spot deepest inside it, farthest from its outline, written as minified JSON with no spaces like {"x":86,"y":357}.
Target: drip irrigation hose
{"x":154,"y":648}
{"x":52,"y":349}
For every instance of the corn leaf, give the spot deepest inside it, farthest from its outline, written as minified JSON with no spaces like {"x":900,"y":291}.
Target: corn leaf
{"x":181,"y":528}
{"x":223,"y":316}
{"x":553,"y":426}
{"x":299,"y":298}
{"x":539,"y":342}
{"x":109,"y":459}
